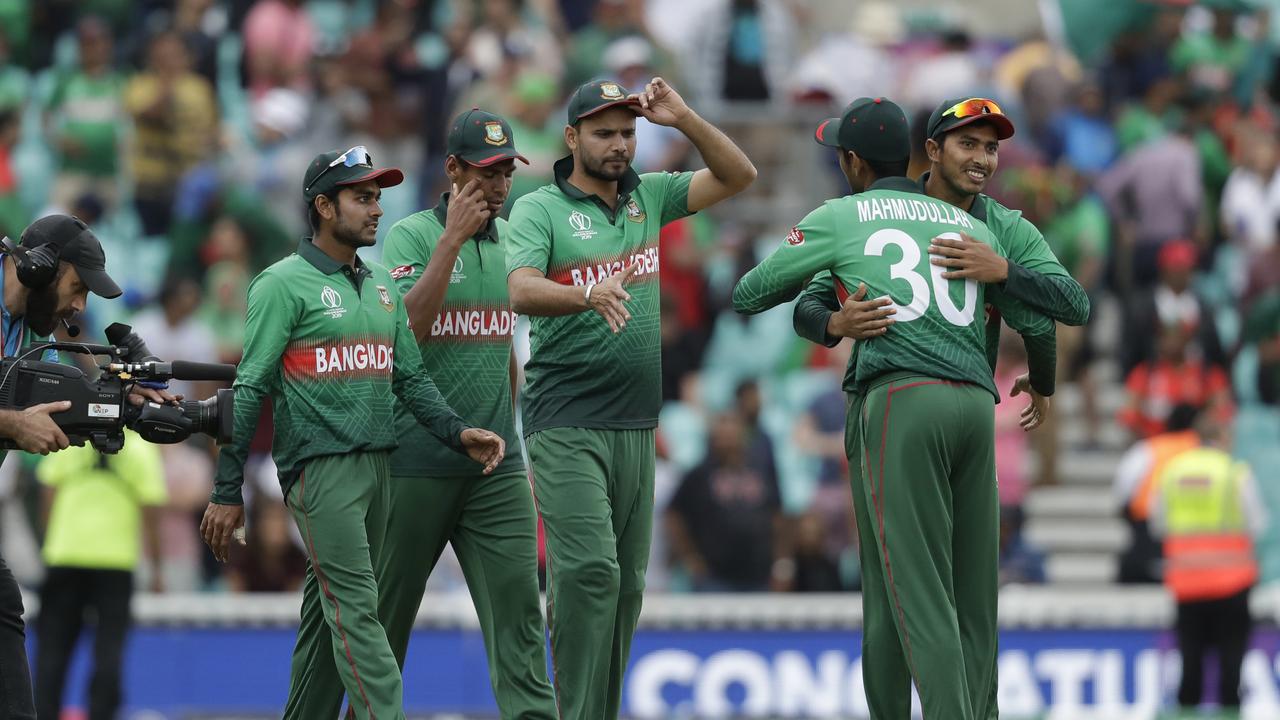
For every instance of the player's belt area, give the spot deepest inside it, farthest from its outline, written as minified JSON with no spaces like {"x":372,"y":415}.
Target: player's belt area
{"x":898,"y":376}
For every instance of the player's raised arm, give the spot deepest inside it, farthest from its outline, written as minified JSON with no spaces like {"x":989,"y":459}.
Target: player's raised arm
{"x":729,"y":171}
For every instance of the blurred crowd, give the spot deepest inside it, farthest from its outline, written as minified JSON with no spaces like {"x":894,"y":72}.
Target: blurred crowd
{"x":180,"y":130}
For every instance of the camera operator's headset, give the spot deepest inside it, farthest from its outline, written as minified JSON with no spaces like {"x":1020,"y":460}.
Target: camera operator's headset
{"x":37,"y":266}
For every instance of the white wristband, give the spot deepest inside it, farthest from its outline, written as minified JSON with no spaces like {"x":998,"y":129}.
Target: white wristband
{"x":587,"y":296}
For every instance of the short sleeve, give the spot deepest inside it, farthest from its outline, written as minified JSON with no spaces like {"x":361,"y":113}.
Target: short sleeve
{"x":528,"y":237}
{"x":673,"y":193}
{"x":406,"y":254}
{"x":56,"y":469}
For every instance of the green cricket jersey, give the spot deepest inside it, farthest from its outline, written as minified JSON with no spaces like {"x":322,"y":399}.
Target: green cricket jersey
{"x":331,"y":345}
{"x":468,"y":351}
{"x":1036,"y":278}
{"x":881,"y":237}
{"x":579,"y":373}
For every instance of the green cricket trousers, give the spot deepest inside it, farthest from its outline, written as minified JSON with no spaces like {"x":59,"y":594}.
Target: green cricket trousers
{"x":594,"y":490}
{"x":340,"y":503}
{"x":491,"y":522}
{"x":922,"y":470}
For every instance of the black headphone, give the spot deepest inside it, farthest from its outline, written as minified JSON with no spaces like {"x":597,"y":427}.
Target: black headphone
{"x":37,"y":266}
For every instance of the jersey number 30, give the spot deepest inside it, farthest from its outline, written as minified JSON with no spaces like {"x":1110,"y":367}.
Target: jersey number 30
{"x":905,"y":269}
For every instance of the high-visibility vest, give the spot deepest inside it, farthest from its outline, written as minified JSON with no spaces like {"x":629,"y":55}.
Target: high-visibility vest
{"x":1207,"y":548}
{"x":1163,"y":448}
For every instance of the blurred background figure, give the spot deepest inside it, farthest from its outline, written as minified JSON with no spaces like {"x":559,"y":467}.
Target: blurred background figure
{"x":102,"y":513}
{"x":1209,"y":512}
{"x":84,"y":118}
{"x":724,"y":518}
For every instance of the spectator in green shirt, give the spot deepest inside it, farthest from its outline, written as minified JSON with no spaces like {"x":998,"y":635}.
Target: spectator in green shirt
{"x":1212,"y":60}
{"x":14,"y":81}
{"x":83,"y":116}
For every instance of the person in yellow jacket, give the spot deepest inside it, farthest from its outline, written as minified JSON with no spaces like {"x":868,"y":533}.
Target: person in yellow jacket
{"x":1207,"y":508}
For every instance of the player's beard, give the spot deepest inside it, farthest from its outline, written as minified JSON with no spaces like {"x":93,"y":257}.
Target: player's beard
{"x":42,"y":309}
{"x":348,"y":234}
{"x":595,"y":168}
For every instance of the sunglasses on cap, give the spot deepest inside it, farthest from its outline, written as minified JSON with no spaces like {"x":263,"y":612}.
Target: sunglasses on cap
{"x":973,"y":107}
{"x":356,"y":156}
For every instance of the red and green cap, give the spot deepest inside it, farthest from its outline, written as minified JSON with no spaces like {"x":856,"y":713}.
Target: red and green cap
{"x":597,"y":96}
{"x":952,"y":114}
{"x":337,"y":168}
{"x":482,"y":138}
{"x":874,"y":128}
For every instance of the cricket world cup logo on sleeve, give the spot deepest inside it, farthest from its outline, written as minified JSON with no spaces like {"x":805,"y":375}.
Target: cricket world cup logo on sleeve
{"x":332,"y":302}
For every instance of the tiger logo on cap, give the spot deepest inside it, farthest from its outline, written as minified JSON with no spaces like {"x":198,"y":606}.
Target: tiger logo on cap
{"x":610,"y":91}
{"x":494,"y":134}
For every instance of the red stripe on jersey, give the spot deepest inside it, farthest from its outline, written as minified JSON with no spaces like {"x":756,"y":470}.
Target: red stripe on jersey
{"x":842,"y":292}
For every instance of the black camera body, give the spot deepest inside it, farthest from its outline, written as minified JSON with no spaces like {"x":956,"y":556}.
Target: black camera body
{"x":100,"y":409}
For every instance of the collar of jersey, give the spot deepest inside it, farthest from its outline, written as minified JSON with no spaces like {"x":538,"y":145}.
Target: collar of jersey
{"x":441,"y":211}
{"x":564,"y":168}
{"x":324,"y":263}
{"x":979,"y":208}
{"x":900,"y":184}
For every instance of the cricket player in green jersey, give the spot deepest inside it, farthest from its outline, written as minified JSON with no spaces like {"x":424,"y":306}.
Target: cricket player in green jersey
{"x":449,"y":263}
{"x":582,"y":257}
{"x":963,"y":144}
{"x":328,"y":338}
{"x":926,"y":497}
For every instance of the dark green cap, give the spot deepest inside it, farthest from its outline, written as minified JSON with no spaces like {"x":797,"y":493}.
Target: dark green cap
{"x":874,"y":128}
{"x":481,"y":138}
{"x":334,"y":168}
{"x":952,"y":114}
{"x":598,"y":95}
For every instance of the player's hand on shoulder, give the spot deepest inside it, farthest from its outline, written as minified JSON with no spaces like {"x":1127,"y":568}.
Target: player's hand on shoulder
{"x":859,"y":318}
{"x":1035,"y":413}
{"x":38,"y":433}
{"x":609,"y":296}
{"x":660,"y":104}
{"x":968,"y":259}
{"x":485,"y":447}
{"x":219,"y":525}
{"x":468,"y":210}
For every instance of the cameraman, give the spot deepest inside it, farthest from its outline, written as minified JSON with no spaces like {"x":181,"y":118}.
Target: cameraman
{"x":46,"y":279}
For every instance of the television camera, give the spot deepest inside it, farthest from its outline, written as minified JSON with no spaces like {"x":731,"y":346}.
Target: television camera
{"x":100,"y":408}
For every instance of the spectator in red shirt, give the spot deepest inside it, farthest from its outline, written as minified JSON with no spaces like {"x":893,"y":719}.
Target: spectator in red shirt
{"x":1174,"y":377}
